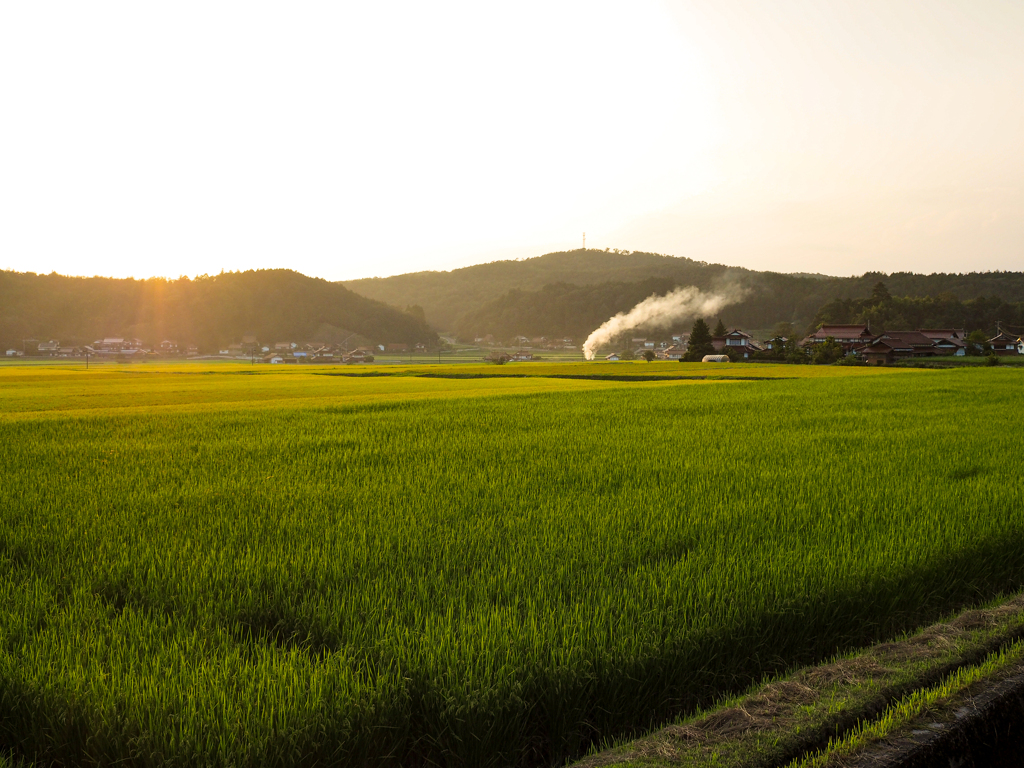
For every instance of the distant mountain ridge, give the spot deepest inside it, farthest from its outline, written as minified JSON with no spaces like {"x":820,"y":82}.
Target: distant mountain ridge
{"x":210,"y":311}
{"x":559,"y":294}
{"x":472,"y":299}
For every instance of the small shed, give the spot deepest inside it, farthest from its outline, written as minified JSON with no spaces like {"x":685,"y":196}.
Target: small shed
{"x":715,"y":359}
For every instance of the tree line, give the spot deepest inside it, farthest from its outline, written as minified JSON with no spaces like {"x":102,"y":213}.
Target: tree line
{"x":882,"y":311}
{"x":209,"y":311}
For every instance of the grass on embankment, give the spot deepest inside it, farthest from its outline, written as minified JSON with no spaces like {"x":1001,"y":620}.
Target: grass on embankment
{"x":821,"y":716}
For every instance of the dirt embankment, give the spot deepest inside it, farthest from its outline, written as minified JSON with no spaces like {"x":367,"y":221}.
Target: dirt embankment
{"x":954,"y":690}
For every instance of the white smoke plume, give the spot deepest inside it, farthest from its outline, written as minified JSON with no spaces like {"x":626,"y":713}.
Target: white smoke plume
{"x":661,"y":311}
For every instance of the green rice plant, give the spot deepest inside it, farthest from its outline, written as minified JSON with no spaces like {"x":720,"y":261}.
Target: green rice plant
{"x":294,"y":569}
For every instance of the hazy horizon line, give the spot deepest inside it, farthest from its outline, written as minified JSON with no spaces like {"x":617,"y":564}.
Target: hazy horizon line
{"x":619,"y":252}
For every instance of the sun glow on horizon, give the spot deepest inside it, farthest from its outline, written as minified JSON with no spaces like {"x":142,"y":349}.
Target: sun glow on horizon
{"x":365,"y":139}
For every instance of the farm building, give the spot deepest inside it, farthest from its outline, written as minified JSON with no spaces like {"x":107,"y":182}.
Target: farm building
{"x":715,"y":359}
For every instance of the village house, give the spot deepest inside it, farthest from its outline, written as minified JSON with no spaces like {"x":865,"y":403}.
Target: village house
{"x":397,"y":347}
{"x":850,"y":336}
{"x":284,"y":346}
{"x":944,"y":333}
{"x":1005,"y":344}
{"x":885,"y":351}
{"x":675,"y":352}
{"x":15,"y":353}
{"x":953,"y":347}
{"x":116,"y":346}
{"x":168,"y":347}
{"x":736,"y":340}
{"x":742,"y":342}
{"x":49,"y":347}
{"x":920,"y":345}
{"x":614,"y":357}
{"x":776,"y":343}
{"x":947,"y":341}
{"x":520,"y":356}
{"x":359,"y":355}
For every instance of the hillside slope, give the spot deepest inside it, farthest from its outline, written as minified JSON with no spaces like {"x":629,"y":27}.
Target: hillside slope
{"x":274,"y":305}
{"x":447,"y":296}
{"x":452,"y":299}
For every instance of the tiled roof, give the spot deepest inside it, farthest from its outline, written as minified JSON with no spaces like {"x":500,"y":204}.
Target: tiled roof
{"x":913,"y":338}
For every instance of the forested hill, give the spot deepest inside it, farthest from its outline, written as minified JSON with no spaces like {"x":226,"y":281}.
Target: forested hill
{"x":570,"y":310}
{"x":549,"y":295}
{"x":210,"y":311}
{"x":447,"y":296}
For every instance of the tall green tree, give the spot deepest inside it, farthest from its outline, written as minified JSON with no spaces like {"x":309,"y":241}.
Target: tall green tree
{"x":720,"y":329}
{"x":700,"y":342}
{"x":829,"y":352}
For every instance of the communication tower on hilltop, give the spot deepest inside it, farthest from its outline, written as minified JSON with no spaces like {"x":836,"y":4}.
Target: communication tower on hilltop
{"x":584,"y":241}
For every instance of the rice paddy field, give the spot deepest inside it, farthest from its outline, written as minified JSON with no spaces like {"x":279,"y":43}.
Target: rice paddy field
{"x":467,"y":565}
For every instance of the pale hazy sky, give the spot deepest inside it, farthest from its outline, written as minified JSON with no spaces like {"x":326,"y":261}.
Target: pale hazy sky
{"x":350,"y":139}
